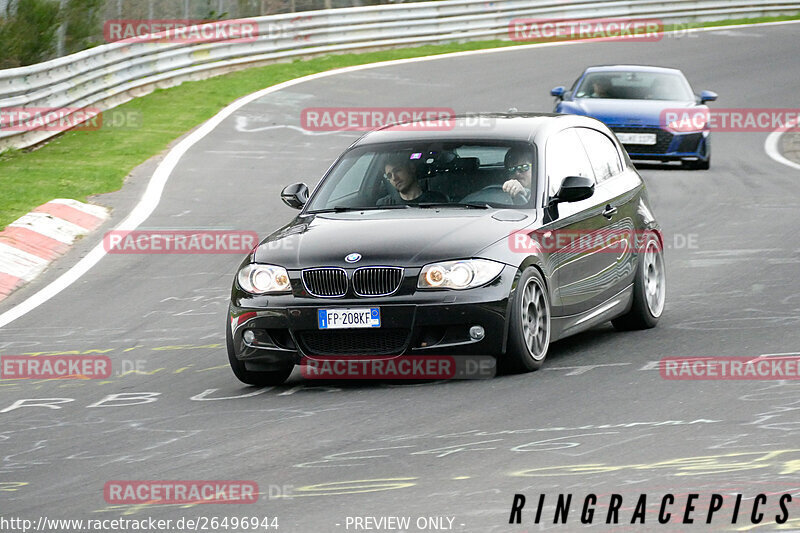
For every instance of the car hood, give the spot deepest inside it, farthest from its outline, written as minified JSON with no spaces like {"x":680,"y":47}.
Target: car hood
{"x":407,"y":238}
{"x":626,"y":112}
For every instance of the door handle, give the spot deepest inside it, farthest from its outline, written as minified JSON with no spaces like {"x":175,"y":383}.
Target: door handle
{"x":609,"y":211}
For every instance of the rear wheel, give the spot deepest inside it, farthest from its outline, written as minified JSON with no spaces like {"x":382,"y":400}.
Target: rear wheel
{"x":529,"y":325}
{"x":250,"y":377}
{"x":649,"y":289}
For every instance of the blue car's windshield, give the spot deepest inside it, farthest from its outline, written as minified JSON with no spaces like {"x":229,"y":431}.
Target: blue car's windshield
{"x":635,"y":86}
{"x":423,"y":174}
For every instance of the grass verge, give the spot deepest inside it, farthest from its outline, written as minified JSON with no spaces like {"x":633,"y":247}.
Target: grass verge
{"x":81,"y":163}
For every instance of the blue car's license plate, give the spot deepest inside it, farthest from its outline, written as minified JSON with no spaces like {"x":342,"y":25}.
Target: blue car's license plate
{"x":356,"y":317}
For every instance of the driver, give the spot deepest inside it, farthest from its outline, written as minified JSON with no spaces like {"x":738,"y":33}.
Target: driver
{"x":401,"y":173}
{"x":519,"y":171}
{"x":601,"y":88}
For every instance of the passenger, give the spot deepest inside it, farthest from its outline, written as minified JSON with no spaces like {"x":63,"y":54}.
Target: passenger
{"x":519,"y":169}
{"x":601,"y":88}
{"x":401,"y":173}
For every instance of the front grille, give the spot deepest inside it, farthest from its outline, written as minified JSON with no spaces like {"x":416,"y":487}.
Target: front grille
{"x":353,"y":342}
{"x":326,"y":282}
{"x":663,"y":138}
{"x":377,"y":281}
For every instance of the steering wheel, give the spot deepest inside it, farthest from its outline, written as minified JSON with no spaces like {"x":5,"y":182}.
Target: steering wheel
{"x":494,"y":194}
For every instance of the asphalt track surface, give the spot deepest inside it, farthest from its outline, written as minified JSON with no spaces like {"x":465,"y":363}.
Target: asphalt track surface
{"x":322,"y":452}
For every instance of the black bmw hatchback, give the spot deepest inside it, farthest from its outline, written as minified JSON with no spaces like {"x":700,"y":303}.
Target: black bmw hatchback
{"x":491,"y":235}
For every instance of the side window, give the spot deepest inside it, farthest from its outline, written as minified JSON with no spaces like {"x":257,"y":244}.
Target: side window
{"x":353,"y":177}
{"x":565,"y":156}
{"x":603,"y":154}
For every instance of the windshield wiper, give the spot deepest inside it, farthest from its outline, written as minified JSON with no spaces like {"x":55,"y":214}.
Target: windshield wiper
{"x":453,"y":204}
{"x":343,"y":208}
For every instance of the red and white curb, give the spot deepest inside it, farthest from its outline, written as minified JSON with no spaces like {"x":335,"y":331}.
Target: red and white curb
{"x":31,"y":242}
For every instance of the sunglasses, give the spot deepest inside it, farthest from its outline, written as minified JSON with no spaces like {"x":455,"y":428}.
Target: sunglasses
{"x":519,"y":168}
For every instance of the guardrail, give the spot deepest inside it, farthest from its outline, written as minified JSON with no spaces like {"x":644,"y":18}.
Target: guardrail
{"x":108,"y":75}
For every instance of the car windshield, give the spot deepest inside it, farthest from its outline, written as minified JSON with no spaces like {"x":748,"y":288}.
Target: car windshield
{"x":635,"y":86}
{"x":458,"y":174}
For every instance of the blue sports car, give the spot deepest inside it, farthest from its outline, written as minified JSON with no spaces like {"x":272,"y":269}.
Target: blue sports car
{"x":643,"y":106}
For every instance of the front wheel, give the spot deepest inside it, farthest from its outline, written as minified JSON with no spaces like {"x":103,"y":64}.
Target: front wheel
{"x":529,"y":327}
{"x":649,"y":289}
{"x":259,"y":379}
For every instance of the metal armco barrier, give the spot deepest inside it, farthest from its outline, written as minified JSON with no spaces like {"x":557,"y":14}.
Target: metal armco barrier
{"x":111,"y":74}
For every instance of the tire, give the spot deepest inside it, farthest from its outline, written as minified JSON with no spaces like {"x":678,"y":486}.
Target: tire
{"x":529,"y":325}
{"x":259,"y":379}
{"x":649,"y":289}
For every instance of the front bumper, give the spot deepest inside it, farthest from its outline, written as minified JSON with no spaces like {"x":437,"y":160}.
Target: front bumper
{"x":669,"y":146}
{"x":285,"y":328}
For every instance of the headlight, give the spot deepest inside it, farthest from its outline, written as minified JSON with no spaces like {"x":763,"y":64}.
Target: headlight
{"x":686,"y":121}
{"x":464,"y":274}
{"x":263,"y":279}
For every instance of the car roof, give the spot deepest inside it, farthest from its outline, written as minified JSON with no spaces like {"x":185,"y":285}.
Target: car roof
{"x":632,"y":68}
{"x":482,"y":126}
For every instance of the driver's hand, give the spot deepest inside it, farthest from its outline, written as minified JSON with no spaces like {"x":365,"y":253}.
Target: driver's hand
{"x":513,"y":187}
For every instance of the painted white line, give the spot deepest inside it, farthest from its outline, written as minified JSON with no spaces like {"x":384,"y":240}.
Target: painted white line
{"x":155,"y":187}
{"x":19,"y":263}
{"x":97,"y":211}
{"x":771,"y":146}
{"x":50,"y":226}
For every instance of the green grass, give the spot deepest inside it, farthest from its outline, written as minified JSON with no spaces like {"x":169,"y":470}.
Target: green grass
{"x":81,"y":163}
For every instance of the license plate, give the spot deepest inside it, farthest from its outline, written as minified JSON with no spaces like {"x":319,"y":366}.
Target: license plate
{"x":637,"y":138}
{"x":359,"y":317}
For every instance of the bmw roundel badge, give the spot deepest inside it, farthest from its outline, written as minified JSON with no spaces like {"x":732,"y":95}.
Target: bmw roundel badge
{"x":353,"y":258}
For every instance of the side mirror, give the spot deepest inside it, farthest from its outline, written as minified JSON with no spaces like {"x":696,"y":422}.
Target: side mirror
{"x":575,"y":189}
{"x":295,"y":195}
{"x":707,"y":96}
{"x":558,"y":92}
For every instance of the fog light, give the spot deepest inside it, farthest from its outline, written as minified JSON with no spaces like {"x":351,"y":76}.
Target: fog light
{"x":476,"y":333}
{"x":249,"y":336}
